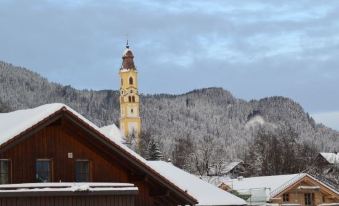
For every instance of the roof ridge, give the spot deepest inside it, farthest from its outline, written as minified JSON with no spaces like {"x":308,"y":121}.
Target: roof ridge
{"x":288,"y":183}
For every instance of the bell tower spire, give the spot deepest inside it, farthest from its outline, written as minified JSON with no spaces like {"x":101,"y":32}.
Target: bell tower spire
{"x":130,"y":121}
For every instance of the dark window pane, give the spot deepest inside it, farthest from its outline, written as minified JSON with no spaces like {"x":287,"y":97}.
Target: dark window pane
{"x":82,"y":171}
{"x":4,"y":171}
{"x":43,"y":171}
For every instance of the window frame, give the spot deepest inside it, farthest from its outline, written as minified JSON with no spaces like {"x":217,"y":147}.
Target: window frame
{"x":286,"y":197}
{"x":50,"y":169}
{"x":9,"y":171}
{"x":309,"y":198}
{"x":89,"y":172}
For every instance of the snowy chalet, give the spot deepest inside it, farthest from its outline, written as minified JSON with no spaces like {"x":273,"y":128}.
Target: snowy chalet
{"x":286,"y":190}
{"x":52,"y":155}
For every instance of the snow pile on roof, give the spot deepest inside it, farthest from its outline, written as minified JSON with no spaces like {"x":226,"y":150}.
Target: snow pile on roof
{"x":113,"y":132}
{"x":332,"y":158}
{"x":205,"y":193}
{"x":67,"y":187}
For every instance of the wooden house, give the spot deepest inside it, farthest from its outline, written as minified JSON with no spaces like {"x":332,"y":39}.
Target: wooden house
{"x":53,"y":144}
{"x":296,"y":189}
{"x":325,"y":159}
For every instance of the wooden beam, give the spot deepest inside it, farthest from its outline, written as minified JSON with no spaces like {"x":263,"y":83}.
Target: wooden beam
{"x":136,"y":177}
{"x":159,"y":193}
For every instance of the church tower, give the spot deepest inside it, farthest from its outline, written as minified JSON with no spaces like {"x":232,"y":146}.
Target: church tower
{"x":130,"y":122}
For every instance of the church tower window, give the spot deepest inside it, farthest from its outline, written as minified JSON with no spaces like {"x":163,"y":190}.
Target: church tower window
{"x":130,"y":80}
{"x":133,"y":98}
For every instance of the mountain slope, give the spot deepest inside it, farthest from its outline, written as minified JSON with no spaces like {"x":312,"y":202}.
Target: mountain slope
{"x":210,"y":112}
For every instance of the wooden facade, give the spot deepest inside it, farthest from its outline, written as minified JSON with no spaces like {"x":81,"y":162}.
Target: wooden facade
{"x":306,"y":192}
{"x":63,"y":139}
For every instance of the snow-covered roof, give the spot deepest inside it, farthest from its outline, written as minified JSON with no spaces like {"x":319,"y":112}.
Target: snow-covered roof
{"x":205,"y":193}
{"x":14,"y":123}
{"x":332,"y":158}
{"x":225,"y":168}
{"x":17,"y":122}
{"x":215,"y":180}
{"x":113,"y":132}
{"x":272,"y":185}
{"x":67,"y":187}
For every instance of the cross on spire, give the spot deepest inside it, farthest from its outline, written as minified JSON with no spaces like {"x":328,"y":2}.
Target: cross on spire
{"x":127,"y":45}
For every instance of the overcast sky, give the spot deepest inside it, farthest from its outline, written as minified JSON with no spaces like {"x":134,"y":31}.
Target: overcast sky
{"x":254,"y":48}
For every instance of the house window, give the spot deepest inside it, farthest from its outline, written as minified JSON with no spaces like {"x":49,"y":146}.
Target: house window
{"x":4,"y":171}
{"x":130,"y":80}
{"x":286,"y":197}
{"x":43,"y":170}
{"x":309,"y":197}
{"x":82,"y":171}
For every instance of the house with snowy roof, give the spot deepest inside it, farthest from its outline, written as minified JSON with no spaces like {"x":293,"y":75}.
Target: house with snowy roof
{"x":52,"y":155}
{"x":327,"y":158}
{"x":231,"y":169}
{"x":295,"y":189}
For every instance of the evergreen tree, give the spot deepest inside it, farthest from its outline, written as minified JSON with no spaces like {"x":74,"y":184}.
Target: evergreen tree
{"x":153,"y":150}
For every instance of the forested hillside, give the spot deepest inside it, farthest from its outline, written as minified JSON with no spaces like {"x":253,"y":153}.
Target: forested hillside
{"x":203,"y":118}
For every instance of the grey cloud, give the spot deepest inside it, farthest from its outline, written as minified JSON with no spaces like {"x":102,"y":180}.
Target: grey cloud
{"x":181,"y":45}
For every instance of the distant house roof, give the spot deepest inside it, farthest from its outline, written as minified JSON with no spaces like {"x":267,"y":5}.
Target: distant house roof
{"x":13,"y":124}
{"x":225,"y":168}
{"x":205,"y":193}
{"x":332,"y":158}
{"x":273,"y":185}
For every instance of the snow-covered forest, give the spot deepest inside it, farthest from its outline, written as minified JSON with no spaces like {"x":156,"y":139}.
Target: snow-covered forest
{"x":209,"y":125}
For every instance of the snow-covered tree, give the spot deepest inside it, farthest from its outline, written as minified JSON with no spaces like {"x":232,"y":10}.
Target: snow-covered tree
{"x":153,"y":151}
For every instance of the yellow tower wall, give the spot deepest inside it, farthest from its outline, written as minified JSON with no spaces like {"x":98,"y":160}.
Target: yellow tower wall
{"x":130,"y":121}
